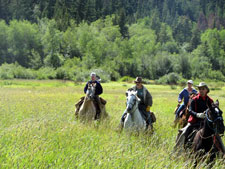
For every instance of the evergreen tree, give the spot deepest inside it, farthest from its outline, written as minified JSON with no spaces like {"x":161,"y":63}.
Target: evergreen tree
{"x":122,"y":24}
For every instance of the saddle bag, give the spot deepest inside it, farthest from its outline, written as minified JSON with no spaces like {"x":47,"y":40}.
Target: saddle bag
{"x":102,"y":101}
{"x":153,"y":118}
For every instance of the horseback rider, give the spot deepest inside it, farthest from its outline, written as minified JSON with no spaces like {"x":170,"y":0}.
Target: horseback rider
{"x":98,"y":91}
{"x":197,"y":110}
{"x":144,"y":104}
{"x":184,"y":94}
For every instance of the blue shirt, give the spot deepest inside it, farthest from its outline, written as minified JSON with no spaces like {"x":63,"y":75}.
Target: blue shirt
{"x":185,"y":94}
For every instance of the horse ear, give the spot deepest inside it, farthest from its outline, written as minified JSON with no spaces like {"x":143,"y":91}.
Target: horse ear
{"x":217,"y":103}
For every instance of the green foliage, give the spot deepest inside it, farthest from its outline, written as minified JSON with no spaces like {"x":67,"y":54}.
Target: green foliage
{"x":126,"y":79}
{"x":51,"y":41}
{"x":24,"y":43}
{"x":152,"y":49}
{"x":6,"y":71}
{"x":171,"y":78}
{"x":216,"y":75}
{"x":46,"y":73}
{"x":4,"y":57}
{"x":10,"y":71}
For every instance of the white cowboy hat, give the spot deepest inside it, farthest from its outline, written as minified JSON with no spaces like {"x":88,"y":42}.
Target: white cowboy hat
{"x":93,"y":74}
{"x":190,"y":81}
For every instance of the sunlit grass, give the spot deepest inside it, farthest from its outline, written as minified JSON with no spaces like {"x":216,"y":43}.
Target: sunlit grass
{"x":38,"y":129}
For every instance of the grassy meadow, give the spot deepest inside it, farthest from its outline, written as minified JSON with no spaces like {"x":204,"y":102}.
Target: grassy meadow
{"x":38,"y":128}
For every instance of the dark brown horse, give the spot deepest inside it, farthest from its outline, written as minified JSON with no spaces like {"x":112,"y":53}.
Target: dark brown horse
{"x":207,"y":139}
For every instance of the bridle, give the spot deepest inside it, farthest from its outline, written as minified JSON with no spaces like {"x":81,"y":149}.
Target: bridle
{"x":213,"y":122}
{"x":90,"y":91}
{"x":133,"y":104}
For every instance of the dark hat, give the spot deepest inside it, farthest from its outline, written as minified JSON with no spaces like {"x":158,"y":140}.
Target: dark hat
{"x":138,"y":80}
{"x":203,"y":84}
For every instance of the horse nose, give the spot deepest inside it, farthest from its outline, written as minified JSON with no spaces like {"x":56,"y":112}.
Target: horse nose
{"x":129,"y":108}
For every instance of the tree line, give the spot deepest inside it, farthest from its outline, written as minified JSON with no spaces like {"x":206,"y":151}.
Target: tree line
{"x":155,"y":39}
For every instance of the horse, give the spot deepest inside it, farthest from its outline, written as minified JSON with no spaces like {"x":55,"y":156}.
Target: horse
{"x":134,"y":120}
{"x":90,"y":108}
{"x":208,"y":138}
{"x":182,"y":120}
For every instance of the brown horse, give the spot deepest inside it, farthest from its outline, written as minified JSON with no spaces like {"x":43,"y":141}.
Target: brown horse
{"x":90,"y":107}
{"x":208,"y":138}
{"x":182,"y":120}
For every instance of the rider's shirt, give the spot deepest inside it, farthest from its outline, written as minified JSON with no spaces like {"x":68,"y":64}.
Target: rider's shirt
{"x":98,"y":89}
{"x":140,"y":95}
{"x":198,"y":105}
{"x":184,"y":94}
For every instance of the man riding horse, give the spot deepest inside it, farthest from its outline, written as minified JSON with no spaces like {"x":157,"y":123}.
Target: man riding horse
{"x":145,"y":102}
{"x":199,"y":105}
{"x":98,"y":91}
{"x":184,"y":94}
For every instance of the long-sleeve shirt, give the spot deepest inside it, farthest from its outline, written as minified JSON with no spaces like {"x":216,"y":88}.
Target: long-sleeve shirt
{"x":98,"y":89}
{"x":199,"y":104}
{"x":184,"y":94}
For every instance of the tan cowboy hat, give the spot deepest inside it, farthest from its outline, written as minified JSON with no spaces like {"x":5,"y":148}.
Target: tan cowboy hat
{"x":138,"y":80}
{"x":203,"y":84}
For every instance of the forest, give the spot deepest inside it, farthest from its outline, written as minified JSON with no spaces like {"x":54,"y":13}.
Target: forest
{"x":164,"y":40}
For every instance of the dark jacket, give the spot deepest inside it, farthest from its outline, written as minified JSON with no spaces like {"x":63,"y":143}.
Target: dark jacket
{"x":98,"y":89}
{"x":198,"y":105}
{"x":147,"y":96}
{"x":185,"y":94}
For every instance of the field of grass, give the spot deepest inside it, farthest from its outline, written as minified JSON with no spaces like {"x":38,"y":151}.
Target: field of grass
{"x":38,"y":128}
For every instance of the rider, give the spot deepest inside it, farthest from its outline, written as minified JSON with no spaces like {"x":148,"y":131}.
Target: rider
{"x":98,"y":91}
{"x":197,"y":110}
{"x":145,"y":101}
{"x":184,"y":94}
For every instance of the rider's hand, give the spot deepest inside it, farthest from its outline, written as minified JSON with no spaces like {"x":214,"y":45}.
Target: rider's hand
{"x":200,"y":115}
{"x":148,"y":109}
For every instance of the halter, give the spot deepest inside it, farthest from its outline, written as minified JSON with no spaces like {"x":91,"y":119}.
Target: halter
{"x":133,"y":105}
{"x":212,"y":121}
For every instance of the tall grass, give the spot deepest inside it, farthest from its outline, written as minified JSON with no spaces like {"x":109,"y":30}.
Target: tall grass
{"x":38,"y":129}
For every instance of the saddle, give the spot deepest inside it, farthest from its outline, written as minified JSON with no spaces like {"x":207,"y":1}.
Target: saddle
{"x":153,"y":118}
{"x":80,"y":102}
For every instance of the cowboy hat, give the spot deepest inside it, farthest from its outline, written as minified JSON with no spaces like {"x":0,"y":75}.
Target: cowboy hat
{"x":190,"y":81}
{"x":138,"y":80}
{"x":203,"y":84}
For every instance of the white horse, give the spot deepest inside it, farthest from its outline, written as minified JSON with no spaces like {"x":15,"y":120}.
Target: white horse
{"x":134,"y":120}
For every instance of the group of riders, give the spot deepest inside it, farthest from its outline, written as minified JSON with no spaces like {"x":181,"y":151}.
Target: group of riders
{"x":198,"y":104}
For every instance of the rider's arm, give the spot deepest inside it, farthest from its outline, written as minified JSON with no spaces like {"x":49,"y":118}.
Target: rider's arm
{"x":99,"y":89}
{"x":85,"y":88}
{"x":194,"y":91}
{"x":181,"y":96}
{"x":192,"y":108}
{"x":149,"y":99}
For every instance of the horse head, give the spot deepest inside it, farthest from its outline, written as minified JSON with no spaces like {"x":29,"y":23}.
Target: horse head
{"x":91,"y":91}
{"x":215,"y":117}
{"x":132,"y":101}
